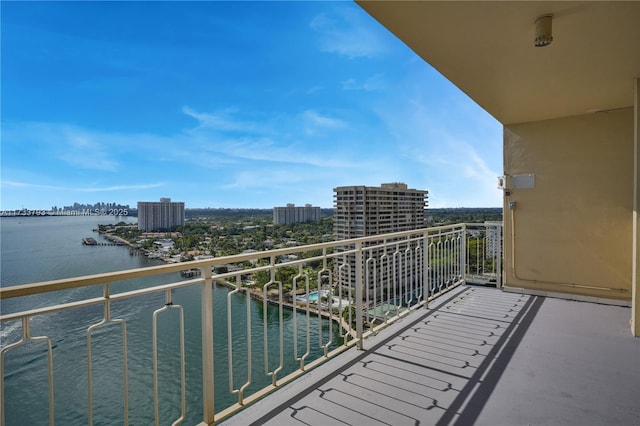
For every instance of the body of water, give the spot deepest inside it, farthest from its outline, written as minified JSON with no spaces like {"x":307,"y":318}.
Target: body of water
{"x":47,"y":248}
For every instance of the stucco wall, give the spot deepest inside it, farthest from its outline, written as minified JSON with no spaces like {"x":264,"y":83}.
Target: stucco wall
{"x":573,"y":230}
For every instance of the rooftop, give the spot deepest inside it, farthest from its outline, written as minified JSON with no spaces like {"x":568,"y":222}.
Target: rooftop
{"x":480,"y":356}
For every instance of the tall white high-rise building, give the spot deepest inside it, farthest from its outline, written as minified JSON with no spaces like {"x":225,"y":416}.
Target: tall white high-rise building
{"x":292,"y":214}
{"x":160,"y":215}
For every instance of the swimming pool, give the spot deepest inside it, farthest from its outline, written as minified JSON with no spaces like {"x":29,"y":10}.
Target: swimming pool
{"x":314,"y":296}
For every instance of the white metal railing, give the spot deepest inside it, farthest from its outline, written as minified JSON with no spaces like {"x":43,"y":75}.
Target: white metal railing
{"x":355,"y":286}
{"x":484,"y":253}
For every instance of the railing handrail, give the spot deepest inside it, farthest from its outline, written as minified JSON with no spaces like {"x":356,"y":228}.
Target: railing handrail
{"x":98,"y":279}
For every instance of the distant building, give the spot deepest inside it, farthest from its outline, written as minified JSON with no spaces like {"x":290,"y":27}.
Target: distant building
{"x":362,"y":211}
{"x":160,"y":215}
{"x":292,"y":214}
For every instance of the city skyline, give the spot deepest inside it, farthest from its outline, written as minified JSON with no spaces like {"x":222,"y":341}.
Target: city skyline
{"x":228,"y":105}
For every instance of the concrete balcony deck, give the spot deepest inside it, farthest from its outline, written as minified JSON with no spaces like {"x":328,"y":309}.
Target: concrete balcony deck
{"x":476,"y":356}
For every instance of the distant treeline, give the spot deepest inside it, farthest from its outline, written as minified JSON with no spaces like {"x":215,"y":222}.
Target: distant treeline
{"x":433,"y":216}
{"x":238,"y":213}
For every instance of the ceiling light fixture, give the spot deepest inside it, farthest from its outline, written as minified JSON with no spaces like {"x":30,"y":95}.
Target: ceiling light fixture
{"x":543,"y":31}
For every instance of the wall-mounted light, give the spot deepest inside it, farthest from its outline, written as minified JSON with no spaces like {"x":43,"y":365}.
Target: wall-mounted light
{"x":502,"y":182}
{"x":543,"y":31}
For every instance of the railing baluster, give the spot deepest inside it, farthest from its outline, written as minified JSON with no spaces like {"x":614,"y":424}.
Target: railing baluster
{"x":106,"y":320}
{"x":358,"y":302}
{"x":441,"y":263}
{"x":462,"y":254}
{"x":249,"y":349}
{"x":498,"y":255}
{"x":308,"y":318}
{"x":396,"y":279}
{"x":453,"y":259}
{"x":156,"y":402}
{"x":371,"y":283}
{"x":384,"y":261}
{"x":450,"y":260}
{"x":274,"y":373}
{"x":408,"y":268}
{"x":325,"y":272}
{"x":206,"y":317}
{"x":418,"y":273}
{"x":342,"y":277}
{"x":230,"y":338}
{"x":425,"y":269}
{"x":478,"y":255}
{"x":26,"y":337}
{"x":390,"y":285}
{"x":431,"y":267}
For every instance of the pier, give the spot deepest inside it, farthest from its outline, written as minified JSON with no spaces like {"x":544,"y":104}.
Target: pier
{"x":190,"y":273}
{"x":92,"y":242}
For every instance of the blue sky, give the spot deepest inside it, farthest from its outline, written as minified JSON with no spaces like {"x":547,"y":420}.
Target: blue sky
{"x":228,"y":104}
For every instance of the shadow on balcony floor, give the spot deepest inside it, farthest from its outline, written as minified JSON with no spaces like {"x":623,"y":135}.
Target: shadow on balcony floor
{"x":477,"y":356}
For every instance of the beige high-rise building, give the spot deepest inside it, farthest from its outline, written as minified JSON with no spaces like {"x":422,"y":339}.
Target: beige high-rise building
{"x":361,"y":211}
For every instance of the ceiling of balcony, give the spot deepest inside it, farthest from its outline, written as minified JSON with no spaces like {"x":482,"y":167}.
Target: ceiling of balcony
{"x":487,"y":50}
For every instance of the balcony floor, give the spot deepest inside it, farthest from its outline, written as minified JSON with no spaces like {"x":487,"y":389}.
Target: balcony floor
{"x":476,"y":356}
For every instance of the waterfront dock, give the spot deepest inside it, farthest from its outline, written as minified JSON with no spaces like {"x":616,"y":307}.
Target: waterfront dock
{"x":89,"y":241}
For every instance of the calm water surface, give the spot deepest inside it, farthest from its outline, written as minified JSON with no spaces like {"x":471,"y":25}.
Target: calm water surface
{"x":48,"y":248}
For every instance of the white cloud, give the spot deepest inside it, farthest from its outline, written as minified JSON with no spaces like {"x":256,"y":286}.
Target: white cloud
{"x":452,"y":148}
{"x":84,"y":150}
{"x":12,"y":184}
{"x":373,"y":83}
{"x":314,"y":89}
{"x":68,"y":143}
{"x":119,"y":187}
{"x":267,"y":179}
{"x":315,"y":120}
{"x":345,"y":32}
{"x":276,"y":141}
{"x":220,"y":120}
{"x":89,"y":159}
